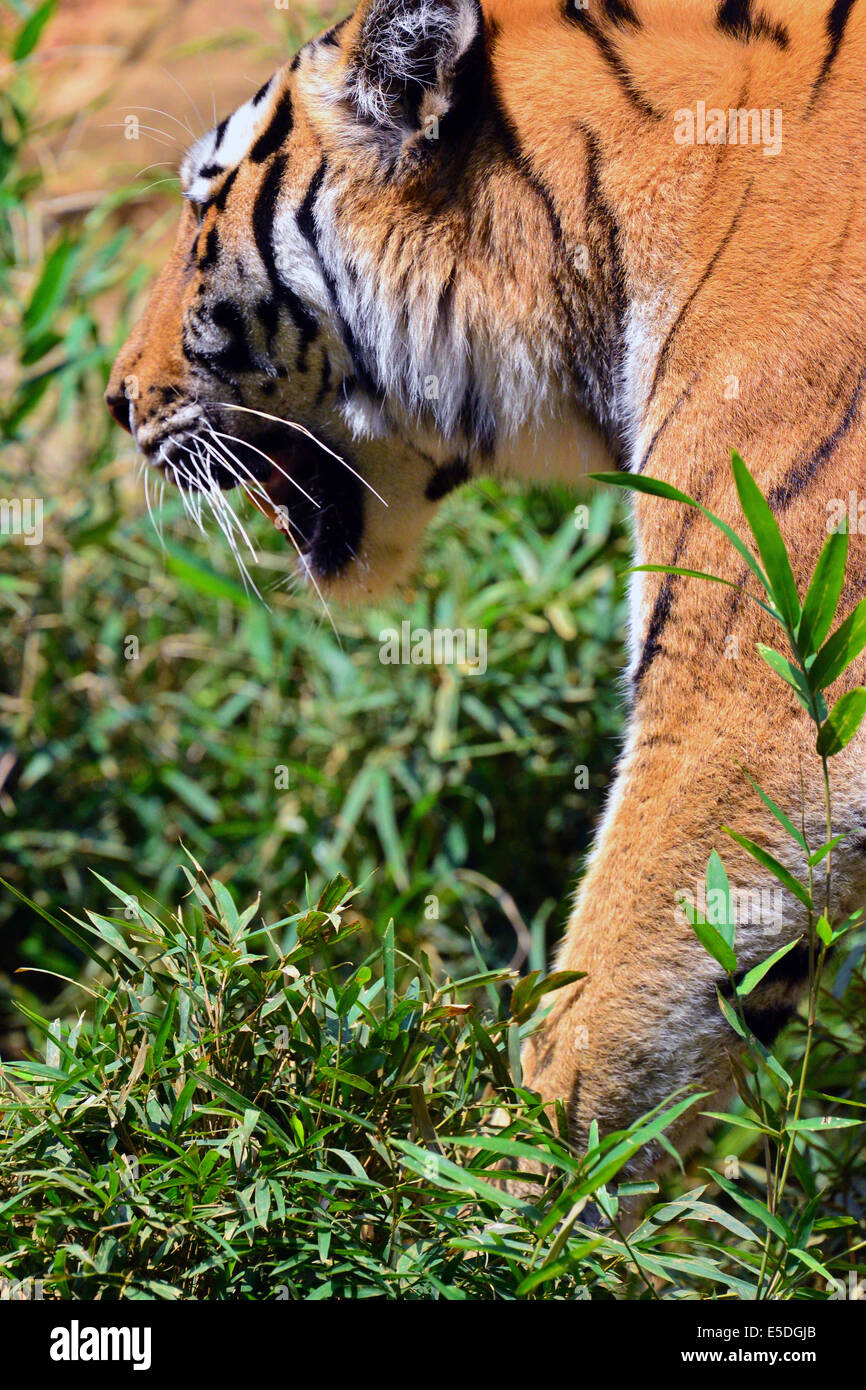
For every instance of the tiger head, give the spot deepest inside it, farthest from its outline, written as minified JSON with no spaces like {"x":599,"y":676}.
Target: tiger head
{"x":369,"y":300}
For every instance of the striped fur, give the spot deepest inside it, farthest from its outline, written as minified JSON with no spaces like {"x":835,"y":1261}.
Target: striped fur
{"x":450,"y":240}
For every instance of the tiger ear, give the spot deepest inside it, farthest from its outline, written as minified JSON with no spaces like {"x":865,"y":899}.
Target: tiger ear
{"x":415,"y":62}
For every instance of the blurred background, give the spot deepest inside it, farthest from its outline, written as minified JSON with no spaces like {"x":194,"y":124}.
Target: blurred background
{"x":278,"y":750}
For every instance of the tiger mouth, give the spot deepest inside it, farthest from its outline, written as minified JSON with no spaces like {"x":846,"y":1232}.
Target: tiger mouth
{"x":315,"y":501}
{"x":306,"y":491}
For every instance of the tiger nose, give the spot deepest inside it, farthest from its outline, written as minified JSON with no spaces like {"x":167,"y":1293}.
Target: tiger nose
{"x":120,"y":409}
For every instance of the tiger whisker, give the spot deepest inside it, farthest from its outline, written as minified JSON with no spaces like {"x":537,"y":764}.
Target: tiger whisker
{"x":286,"y":530}
{"x":217,"y":456}
{"x":210,"y":492}
{"x":148,"y":504}
{"x":219,"y":498}
{"x":189,"y":468}
{"x":160,"y":512}
{"x":220,"y":435}
{"x":191,"y":99}
{"x":151,"y":130}
{"x":196,"y":484}
{"x":156,"y":184}
{"x":251,"y":484}
{"x":227,"y":520}
{"x":158,"y":111}
{"x":196,"y":497}
{"x":157,"y":164}
{"x":302,"y":429}
{"x":173,"y":466}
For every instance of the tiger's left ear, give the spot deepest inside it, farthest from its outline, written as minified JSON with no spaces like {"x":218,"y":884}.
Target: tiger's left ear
{"x":414,"y":62}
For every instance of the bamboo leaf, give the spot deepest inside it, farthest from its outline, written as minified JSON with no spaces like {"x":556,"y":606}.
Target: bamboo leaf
{"x":824,"y":592}
{"x":771,"y":546}
{"x":719,"y":892}
{"x":777,"y":811}
{"x":840,"y":650}
{"x":752,"y":1206}
{"x":757,"y":973}
{"x":654,"y":487}
{"x":842,"y":722}
{"x":785,"y":877}
{"x":711,"y":939}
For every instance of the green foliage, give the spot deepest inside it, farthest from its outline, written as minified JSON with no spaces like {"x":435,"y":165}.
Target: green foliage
{"x":224,"y":1110}
{"x":270,"y":1102}
{"x":276,"y":749}
{"x":234,"y":1115}
{"x":774,"y":1100}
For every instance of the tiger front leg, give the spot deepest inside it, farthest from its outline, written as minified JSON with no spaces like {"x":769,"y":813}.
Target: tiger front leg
{"x":645,"y":1021}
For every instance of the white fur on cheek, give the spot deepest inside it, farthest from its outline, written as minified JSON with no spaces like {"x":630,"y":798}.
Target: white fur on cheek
{"x":223,"y":148}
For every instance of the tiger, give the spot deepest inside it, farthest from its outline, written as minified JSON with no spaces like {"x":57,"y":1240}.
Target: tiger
{"x":532,"y":240}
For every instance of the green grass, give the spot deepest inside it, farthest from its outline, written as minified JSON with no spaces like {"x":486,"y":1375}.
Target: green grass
{"x":229,"y":1097}
{"x":234,"y":1107}
{"x":235,"y":1116}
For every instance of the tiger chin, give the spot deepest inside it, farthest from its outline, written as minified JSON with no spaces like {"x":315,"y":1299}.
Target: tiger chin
{"x":450,"y":239}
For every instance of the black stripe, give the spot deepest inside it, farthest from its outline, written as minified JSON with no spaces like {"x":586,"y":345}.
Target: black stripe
{"x":674,"y":410}
{"x":210,"y":256}
{"x":333,"y":34}
{"x":477,"y":421}
{"x":837,"y":20}
{"x":601,"y":222}
{"x":734,"y":602}
{"x":735,"y":18}
{"x":306,"y":221}
{"x":584,"y":21}
{"x":725,"y":241}
{"x":446,"y":478}
{"x":468,"y":101}
{"x":236,"y":356}
{"x":220,"y":132}
{"x":661,"y":610}
{"x":210,"y":171}
{"x":274,"y":136}
{"x":620,"y":13}
{"x":268,"y":313}
{"x":595,"y":395}
{"x":660,"y":614}
{"x":306,"y":218}
{"x":325,"y":383}
{"x":264,"y":211}
{"x":444,"y":306}
{"x":211,"y":362}
{"x":262,"y":92}
{"x":805,"y":469}
{"x":765,"y":28}
{"x":220,"y":199}
{"x":511,"y":141}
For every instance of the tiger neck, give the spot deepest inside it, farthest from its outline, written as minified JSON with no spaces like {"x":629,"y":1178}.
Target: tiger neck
{"x":721,"y":302}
